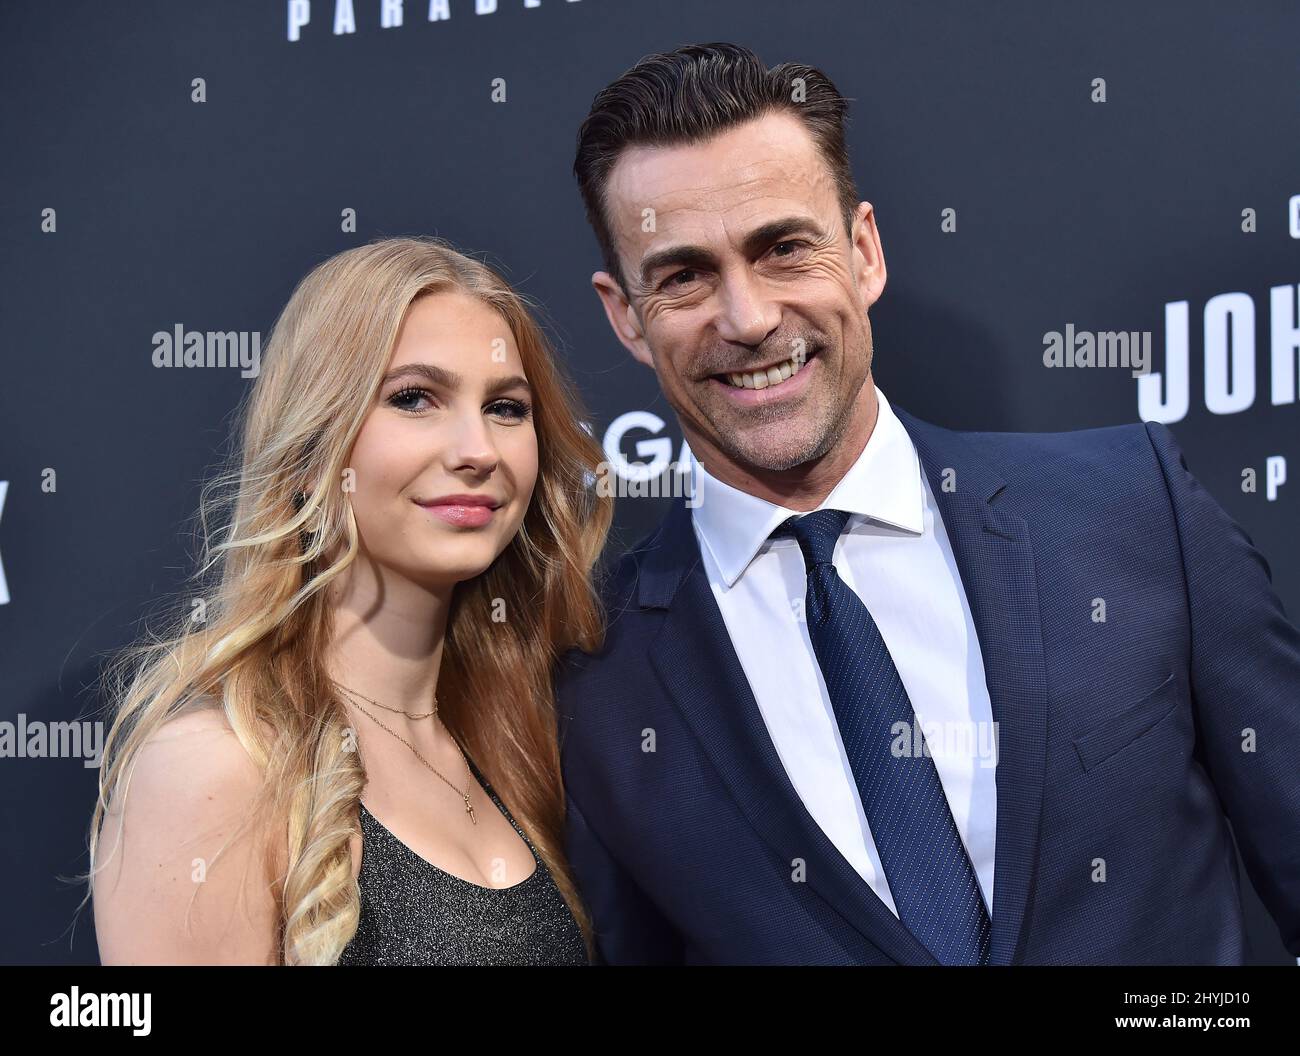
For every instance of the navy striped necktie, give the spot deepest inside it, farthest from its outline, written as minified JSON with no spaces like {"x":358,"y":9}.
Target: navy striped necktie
{"x":930,"y":875}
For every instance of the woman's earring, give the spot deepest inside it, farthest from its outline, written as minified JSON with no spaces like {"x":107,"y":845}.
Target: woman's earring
{"x":304,"y":536}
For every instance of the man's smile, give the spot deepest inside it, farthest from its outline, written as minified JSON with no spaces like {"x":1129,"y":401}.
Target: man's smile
{"x":779,"y":381}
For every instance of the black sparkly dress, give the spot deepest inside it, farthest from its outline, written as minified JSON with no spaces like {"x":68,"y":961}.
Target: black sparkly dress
{"x":412,"y":912}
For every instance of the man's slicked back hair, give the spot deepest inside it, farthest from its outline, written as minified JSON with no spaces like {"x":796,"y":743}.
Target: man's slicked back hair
{"x":688,"y":96}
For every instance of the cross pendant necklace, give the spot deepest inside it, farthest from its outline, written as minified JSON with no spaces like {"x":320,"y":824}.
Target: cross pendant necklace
{"x":469,"y":807}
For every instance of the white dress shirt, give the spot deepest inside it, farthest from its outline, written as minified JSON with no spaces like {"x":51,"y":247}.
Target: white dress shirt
{"x":895,"y":555}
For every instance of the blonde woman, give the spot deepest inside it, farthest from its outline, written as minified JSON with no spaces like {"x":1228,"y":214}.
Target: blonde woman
{"x":346,"y":753}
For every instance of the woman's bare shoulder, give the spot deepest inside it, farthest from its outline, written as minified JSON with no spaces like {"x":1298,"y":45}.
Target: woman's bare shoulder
{"x":184,"y":877}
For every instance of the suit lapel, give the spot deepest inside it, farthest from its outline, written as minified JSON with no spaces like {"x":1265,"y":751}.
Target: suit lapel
{"x":694,"y":656}
{"x":995,"y":558}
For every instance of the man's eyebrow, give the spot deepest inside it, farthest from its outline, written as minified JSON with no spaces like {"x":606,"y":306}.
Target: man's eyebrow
{"x":698,"y":256}
{"x":449,"y":379}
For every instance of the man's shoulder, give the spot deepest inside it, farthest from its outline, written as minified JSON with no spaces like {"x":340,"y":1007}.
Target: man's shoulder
{"x":1090,"y":442}
{"x":1100,"y":452}
{"x":1114,"y":471}
{"x":618,"y":585}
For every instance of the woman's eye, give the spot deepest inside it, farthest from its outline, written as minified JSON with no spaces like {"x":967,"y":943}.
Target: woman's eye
{"x":516,"y":409}
{"x":407,"y":399}
{"x":412,"y":400}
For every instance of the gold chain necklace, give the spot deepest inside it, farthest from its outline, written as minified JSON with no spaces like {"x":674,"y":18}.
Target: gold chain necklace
{"x":469,"y":807}
{"x":395,"y":711}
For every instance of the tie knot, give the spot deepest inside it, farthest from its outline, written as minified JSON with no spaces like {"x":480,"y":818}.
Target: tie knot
{"x":816,"y":532}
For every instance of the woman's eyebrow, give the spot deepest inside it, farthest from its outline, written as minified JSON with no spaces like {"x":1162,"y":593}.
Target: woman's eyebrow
{"x":449,"y":379}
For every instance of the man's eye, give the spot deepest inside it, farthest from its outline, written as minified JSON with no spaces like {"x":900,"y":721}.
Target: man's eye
{"x":680,"y":278}
{"x":792,"y":243}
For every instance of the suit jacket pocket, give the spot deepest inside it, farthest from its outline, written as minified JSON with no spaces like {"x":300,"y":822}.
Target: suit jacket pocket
{"x":1100,"y":743}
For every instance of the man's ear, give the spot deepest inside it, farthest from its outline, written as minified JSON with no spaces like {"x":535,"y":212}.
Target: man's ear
{"x":622,"y":318}
{"x":868,"y":256}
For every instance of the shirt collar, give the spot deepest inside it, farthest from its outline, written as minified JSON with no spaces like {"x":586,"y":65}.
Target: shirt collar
{"x":883,"y":484}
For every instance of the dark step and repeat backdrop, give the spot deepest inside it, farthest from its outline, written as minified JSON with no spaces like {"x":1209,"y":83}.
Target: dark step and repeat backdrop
{"x":1039,"y":172}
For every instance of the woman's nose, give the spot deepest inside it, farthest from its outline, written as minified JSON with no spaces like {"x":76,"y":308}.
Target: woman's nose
{"x":471,"y":444}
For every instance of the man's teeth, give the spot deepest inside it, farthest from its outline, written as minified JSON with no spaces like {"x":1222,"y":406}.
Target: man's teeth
{"x":761,"y":379}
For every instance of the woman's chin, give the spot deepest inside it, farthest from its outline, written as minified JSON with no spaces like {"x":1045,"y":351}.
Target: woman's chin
{"x":446,"y":570}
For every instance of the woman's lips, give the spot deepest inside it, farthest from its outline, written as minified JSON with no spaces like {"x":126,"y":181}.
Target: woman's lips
{"x":462,"y":516}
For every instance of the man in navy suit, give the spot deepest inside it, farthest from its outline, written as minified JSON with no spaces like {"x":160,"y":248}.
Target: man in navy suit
{"x":879,"y":692}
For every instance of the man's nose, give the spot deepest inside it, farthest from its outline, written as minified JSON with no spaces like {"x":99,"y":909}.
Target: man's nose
{"x":749,"y":312}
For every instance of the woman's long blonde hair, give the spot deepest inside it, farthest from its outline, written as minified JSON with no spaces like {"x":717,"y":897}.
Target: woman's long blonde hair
{"x":259,"y":652}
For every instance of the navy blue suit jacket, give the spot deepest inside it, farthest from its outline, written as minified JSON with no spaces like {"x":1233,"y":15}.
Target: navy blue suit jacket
{"x":1120,"y":742}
